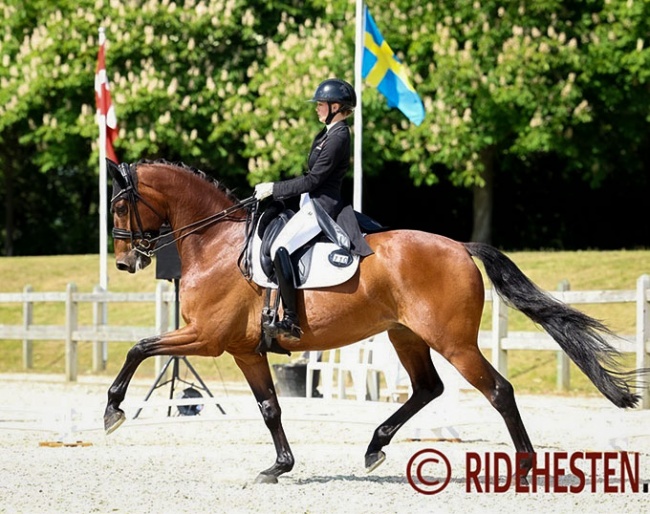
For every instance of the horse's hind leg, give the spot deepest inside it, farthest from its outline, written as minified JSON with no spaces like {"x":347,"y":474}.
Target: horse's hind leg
{"x":499,"y":392}
{"x":174,"y":343}
{"x":414,"y":355}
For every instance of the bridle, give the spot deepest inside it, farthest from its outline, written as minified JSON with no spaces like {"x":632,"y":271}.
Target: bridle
{"x":144,"y":241}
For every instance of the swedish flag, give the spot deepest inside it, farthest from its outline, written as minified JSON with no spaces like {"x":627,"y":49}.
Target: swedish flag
{"x":381,"y":69}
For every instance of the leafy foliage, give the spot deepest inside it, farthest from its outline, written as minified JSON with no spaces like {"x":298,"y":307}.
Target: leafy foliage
{"x":223,"y":85}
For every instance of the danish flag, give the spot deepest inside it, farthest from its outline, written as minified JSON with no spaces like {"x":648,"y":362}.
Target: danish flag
{"x":105,"y":111}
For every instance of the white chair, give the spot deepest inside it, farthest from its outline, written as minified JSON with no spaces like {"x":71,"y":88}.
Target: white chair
{"x":337,"y":365}
{"x":384,"y":361}
{"x":316,"y":362}
{"x":363,"y":363}
{"x":354,"y":361}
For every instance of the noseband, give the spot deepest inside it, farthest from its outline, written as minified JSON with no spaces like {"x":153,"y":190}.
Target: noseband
{"x":145,"y":240}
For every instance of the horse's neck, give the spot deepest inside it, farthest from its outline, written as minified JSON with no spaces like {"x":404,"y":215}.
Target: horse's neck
{"x":190,"y":202}
{"x":191,"y":199}
{"x":192,"y":207}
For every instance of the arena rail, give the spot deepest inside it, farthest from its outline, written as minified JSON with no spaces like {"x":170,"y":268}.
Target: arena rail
{"x":72,"y":333}
{"x":499,"y":340}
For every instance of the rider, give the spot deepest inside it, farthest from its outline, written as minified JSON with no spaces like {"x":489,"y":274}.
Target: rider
{"x":329,"y":161}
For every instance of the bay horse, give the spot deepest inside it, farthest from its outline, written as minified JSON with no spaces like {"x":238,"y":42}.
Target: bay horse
{"x":425,"y":290}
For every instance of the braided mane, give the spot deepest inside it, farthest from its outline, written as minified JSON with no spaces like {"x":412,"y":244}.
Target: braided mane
{"x":196,"y":172}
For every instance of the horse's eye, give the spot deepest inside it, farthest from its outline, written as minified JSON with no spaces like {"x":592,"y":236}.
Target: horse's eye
{"x":121,"y":209}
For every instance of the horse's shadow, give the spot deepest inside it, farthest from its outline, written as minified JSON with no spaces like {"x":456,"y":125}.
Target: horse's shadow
{"x":323,"y":479}
{"x":392,"y":479}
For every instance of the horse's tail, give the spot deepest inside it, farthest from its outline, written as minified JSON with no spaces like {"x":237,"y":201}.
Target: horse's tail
{"x":579,"y":335}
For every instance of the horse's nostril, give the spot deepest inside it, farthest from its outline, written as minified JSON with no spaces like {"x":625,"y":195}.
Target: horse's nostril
{"x":122,"y":266}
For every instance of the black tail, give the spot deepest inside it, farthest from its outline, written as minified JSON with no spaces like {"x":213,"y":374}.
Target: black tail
{"x":579,"y":335}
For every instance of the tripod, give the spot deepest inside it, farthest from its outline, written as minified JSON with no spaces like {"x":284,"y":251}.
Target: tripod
{"x":174,"y":362}
{"x":168,"y":267}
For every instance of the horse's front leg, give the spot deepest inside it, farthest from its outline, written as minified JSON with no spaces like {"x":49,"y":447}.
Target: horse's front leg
{"x":258,"y":375}
{"x":175,"y":343}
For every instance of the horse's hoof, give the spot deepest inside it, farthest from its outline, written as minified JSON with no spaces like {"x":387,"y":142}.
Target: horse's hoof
{"x":374,"y":460}
{"x":523,"y":480}
{"x":266,"y":479}
{"x":113,"y":420}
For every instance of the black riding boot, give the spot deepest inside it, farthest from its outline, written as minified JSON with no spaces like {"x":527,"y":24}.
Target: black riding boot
{"x":289,"y":327}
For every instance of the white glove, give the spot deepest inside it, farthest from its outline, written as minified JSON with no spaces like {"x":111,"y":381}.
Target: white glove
{"x":263,"y":190}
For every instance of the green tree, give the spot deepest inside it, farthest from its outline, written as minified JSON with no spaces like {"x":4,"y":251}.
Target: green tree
{"x":222,"y":85}
{"x":279,"y":129}
{"x":502,"y":84}
{"x":174,"y":68}
{"x":509,"y":81}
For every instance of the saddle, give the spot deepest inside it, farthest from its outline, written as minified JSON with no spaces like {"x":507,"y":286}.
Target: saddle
{"x":319,"y":263}
{"x":324,"y":261}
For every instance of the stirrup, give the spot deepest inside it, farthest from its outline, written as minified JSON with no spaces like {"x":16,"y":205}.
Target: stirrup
{"x":287,"y":328}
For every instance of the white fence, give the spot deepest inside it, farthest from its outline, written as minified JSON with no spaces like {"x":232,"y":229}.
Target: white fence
{"x":499,"y":340}
{"x":72,"y":333}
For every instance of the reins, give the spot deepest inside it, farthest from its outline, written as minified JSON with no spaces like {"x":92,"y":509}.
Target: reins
{"x":146,"y":240}
{"x":200,"y":224}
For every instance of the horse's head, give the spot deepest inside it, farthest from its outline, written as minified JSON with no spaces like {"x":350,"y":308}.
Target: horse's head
{"x":136,"y":220}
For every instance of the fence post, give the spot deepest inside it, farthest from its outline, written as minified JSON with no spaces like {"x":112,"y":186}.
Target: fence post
{"x":28,"y":319}
{"x":643,"y":336}
{"x":563,"y":379}
{"x":162,"y":320}
{"x":71,"y":311}
{"x":499,"y":332}
{"x":99,"y":322}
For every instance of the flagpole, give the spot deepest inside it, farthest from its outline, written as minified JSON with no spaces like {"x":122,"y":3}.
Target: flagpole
{"x":358,"y":119}
{"x":103,"y":226}
{"x":100,"y":354}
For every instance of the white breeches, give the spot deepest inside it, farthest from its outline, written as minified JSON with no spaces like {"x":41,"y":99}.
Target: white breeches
{"x":299,"y":229}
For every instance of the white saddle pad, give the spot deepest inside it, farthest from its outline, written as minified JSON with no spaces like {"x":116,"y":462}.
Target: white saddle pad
{"x":328,"y":266}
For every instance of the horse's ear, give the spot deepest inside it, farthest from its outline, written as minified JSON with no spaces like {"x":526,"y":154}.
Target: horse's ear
{"x":114,"y":170}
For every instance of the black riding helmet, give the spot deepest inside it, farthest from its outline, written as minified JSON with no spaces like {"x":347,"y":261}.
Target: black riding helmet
{"x":335,"y":91}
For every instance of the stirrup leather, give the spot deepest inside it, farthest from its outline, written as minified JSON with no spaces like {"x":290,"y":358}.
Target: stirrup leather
{"x":267,"y":342}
